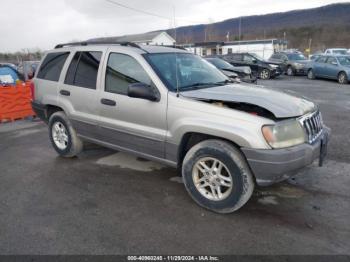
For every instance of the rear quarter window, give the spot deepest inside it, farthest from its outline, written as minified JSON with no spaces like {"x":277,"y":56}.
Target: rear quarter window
{"x":52,"y":66}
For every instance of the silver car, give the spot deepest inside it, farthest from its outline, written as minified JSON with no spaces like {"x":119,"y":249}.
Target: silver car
{"x":171,"y":106}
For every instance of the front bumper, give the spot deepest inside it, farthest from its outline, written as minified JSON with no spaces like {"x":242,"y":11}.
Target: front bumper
{"x":274,"y":165}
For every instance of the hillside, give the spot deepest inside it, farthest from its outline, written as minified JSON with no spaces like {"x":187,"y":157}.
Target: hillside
{"x":327,"y":26}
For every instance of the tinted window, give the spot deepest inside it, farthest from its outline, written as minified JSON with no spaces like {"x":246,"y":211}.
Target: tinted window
{"x":331,"y":60}
{"x":83,"y":69}
{"x":276,"y":56}
{"x":71,"y":70}
{"x":123,"y":70}
{"x":52,"y":66}
{"x":321,"y":59}
{"x":236,"y":57}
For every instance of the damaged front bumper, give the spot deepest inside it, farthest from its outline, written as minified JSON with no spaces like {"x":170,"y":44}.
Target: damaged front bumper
{"x":274,"y":165}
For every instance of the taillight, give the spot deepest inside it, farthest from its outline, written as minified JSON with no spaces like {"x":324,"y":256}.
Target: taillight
{"x":32,"y":90}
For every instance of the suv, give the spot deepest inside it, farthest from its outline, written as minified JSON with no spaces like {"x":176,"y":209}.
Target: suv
{"x":169,"y":105}
{"x":261,"y":68}
{"x":294,"y":62}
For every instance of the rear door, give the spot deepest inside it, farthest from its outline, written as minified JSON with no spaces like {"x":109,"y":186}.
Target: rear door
{"x":132,"y":124}
{"x":78,"y":93}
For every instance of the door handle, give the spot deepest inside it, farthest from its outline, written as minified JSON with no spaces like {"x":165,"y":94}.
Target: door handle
{"x":108,"y":102}
{"x":65,"y":93}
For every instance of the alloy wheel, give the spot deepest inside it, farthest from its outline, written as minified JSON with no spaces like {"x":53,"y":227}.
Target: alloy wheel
{"x":212,"y":179}
{"x":60,"y":135}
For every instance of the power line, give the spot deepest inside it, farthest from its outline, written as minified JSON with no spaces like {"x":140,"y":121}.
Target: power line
{"x":149,"y":13}
{"x":138,"y":10}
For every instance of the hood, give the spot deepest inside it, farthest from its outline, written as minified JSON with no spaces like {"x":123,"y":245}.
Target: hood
{"x":304,"y":62}
{"x":229,"y":73}
{"x":280,"y":104}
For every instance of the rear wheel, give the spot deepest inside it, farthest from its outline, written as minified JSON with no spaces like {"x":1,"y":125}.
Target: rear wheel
{"x":342,"y":78}
{"x":63,"y":136}
{"x":310,"y":74}
{"x":217,"y":176}
{"x":265,"y":74}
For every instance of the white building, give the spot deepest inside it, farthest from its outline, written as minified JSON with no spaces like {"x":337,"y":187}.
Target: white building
{"x":263,"y":48}
{"x":151,"y":38}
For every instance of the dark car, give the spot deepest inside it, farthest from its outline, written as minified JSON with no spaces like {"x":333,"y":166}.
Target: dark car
{"x":335,"y":67}
{"x":243,"y":72}
{"x":294,"y":63}
{"x":260,"y":68}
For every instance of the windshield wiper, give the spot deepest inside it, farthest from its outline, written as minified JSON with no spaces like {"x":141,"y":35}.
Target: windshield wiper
{"x":200,"y":85}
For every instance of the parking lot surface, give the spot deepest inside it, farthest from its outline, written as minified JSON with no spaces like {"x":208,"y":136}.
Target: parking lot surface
{"x":105,"y":202}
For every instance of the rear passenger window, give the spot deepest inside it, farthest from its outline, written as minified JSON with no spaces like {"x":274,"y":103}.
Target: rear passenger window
{"x":83,"y":69}
{"x":52,"y":66}
{"x":123,"y":70}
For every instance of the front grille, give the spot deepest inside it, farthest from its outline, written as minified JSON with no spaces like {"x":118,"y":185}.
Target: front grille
{"x":313,"y":125}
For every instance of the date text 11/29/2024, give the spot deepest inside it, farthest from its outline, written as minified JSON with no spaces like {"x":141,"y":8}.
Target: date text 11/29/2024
{"x":173,"y":258}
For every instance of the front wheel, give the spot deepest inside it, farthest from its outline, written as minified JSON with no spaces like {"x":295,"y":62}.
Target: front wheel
{"x":310,"y":74}
{"x":265,"y":74}
{"x":217,"y":176}
{"x":63,"y":136}
{"x":342,"y":78}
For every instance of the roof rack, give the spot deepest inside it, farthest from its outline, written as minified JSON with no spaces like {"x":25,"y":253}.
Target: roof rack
{"x":86,"y":43}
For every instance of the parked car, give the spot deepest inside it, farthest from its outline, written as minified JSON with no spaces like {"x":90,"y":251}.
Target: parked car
{"x":293,"y":62}
{"x":243,"y":72}
{"x":336,"y":51}
{"x":260,"y":68}
{"x":332,"y":67}
{"x":169,"y":105}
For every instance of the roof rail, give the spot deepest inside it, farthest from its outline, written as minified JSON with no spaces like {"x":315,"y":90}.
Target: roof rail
{"x":86,"y":43}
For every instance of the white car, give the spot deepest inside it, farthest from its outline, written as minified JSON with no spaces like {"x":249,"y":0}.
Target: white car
{"x":337,"y":51}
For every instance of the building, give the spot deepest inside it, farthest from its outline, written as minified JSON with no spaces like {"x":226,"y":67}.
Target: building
{"x":263,"y":48}
{"x":151,"y":38}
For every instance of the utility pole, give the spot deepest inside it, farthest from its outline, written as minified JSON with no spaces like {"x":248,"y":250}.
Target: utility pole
{"x":174,"y":23}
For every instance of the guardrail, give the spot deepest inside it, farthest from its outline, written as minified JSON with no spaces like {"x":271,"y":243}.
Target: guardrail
{"x":15,"y":102}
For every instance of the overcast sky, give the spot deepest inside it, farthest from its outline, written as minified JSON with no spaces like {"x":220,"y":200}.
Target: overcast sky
{"x":44,"y":23}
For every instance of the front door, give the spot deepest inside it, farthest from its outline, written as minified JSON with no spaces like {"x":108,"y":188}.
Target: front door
{"x":133,"y":124}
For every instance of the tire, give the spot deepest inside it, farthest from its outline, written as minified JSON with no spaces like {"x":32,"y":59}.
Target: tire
{"x":63,"y":137}
{"x":342,"y":78}
{"x":311,"y":75}
{"x":233,"y":165}
{"x":265,"y":74}
{"x":290,"y":71}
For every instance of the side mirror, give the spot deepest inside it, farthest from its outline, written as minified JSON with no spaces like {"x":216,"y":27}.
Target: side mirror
{"x":142,"y":91}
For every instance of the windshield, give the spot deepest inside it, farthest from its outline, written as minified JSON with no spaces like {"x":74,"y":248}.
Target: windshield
{"x":186,"y":71}
{"x":219,"y":63}
{"x":340,"y":51}
{"x":257,"y":57}
{"x":344,"y":60}
{"x":296,"y":57}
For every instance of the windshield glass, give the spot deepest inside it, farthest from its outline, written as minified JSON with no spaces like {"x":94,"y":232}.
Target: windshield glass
{"x":187,"y":71}
{"x":219,"y":63}
{"x":296,"y":57}
{"x":344,"y":60}
{"x":257,"y":57}
{"x":340,"y":51}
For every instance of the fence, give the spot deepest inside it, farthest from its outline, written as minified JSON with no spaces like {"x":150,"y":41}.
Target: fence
{"x":15,"y":102}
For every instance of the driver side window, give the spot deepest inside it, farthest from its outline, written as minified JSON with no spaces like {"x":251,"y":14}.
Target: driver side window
{"x":123,"y":70}
{"x":248,"y":59}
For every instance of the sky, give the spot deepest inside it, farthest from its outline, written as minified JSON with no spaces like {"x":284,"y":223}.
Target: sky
{"x":41,"y":24}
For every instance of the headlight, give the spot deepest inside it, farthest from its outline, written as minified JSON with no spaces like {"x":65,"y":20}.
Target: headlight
{"x":247,"y":71}
{"x":273,"y":66}
{"x":284,"y":134}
